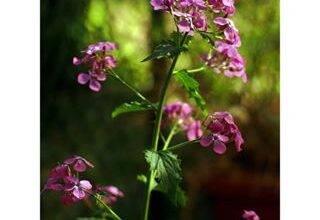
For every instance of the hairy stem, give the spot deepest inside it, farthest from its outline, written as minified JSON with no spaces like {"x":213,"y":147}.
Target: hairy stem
{"x":116,"y":76}
{"x":156,"y":131}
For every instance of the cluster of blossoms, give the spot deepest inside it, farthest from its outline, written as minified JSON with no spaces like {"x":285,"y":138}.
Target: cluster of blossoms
{"x":250,"y":215}
{"x":62,"y":178}
{"x":225,"y":57}
{"x":220,"y":130}
{"x":99,"y":60}
{"x":192,"y":15}
{"x":182,"y":114}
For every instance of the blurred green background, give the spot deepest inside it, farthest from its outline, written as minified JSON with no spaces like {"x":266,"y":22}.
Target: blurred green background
{"x":75,"y":120}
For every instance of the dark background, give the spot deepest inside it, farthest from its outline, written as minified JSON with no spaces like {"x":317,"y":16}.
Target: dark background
{"x":75,"y":120}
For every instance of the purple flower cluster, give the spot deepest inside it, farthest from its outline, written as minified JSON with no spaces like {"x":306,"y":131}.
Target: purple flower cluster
{"x":226,"y":59}
{"x":181,"y":113}
{"x":225,"y":56}
{"x":190,"y":15}
{"x":98,"y":58}
{"x":62,"y":178}
{"x":250,"y":215}
{"x":220,"y":130}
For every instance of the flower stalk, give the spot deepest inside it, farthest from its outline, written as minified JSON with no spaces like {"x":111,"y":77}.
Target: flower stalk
{"x":136,"y":92}
{"x":156,"y":131}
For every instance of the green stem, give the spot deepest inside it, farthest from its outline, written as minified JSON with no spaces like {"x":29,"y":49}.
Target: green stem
{"x":116,"y":76}
{"x":156,"y":131}
{"x":193,"y":70}
{"x":196,"y":70}
{"x":170,"y":136}
{"x":181,"y":145}
{"x":114,"y":215}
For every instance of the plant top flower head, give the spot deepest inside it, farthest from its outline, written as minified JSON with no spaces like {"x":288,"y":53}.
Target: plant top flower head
{"x":220,"y":130}
{"x":99,"y":60}
{"x":191,"y":15}
{"x":181,"y":113}
{"x":211,"y":19}
{"x":250,"y":215}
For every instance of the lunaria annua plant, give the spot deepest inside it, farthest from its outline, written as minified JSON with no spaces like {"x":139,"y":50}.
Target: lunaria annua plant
{"x":211,"y":20}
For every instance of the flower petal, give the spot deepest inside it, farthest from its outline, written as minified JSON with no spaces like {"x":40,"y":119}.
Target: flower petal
{"x":76,"y":61}
{"x":219,"y":147}
{"x":78,"y":193}
{"x":83,"y":78}
{"x":94,"y":85}
{"x":206,"y":140}
{"x":80,"y":166}
{"x":85,"y":184}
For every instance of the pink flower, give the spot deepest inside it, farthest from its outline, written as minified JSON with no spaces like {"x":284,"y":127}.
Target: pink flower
{"x":226,"y":59}
{"x":181,"y":113}
{"x":99,"y":60}
{"x":109,"y":193}
{"x":220,"y":130}
{"x":161,"y":4}
{"x":189,"y":14}
{"x":231,"y":33}
{"x":79,"y":163}
{"x":113,"y":191}
{"x":93,"y":79}
{"x":194,"y":130}
{"x":177,"y":110}
{"x":224,"y":6}
{"x":56,"y":177}
{"x":79,"y":189}
{"x":250,"y":215}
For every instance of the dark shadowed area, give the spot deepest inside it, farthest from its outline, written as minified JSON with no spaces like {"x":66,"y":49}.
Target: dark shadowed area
{"x":75,"y":120}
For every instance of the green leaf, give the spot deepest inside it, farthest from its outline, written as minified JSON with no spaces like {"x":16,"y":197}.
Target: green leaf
{"x":168,"y":172}
{"x":208,"y":38}
{"x":131,"y":107}
{"x":166,"y":48}
{"x":142,"y":178}
{"x":177,"y":38}
{"x":181,"y":197}
{"x":191,"y":85}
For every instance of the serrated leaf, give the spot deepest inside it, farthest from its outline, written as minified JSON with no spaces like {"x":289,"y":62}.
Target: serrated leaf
{"x":131,"y":107}
{"x":164,"y":49}
{"x":168,"y":172}
{"x":191,"y":85}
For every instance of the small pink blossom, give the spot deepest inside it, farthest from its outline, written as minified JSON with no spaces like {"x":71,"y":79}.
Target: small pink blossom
{"x":222,"y":6}
{"x":110,"y":193}
{"x":182,"y":114}
{"x":231,"y":33}
{"x":56,"y":178}
{"x":79,"y":189}
{"x":250,"y":215}
{"x":194,"y":130}
{"x":99,"y":60}
{"x":220,"y":130}
{"x":79,"y":163}
{"x":226,"y":59}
